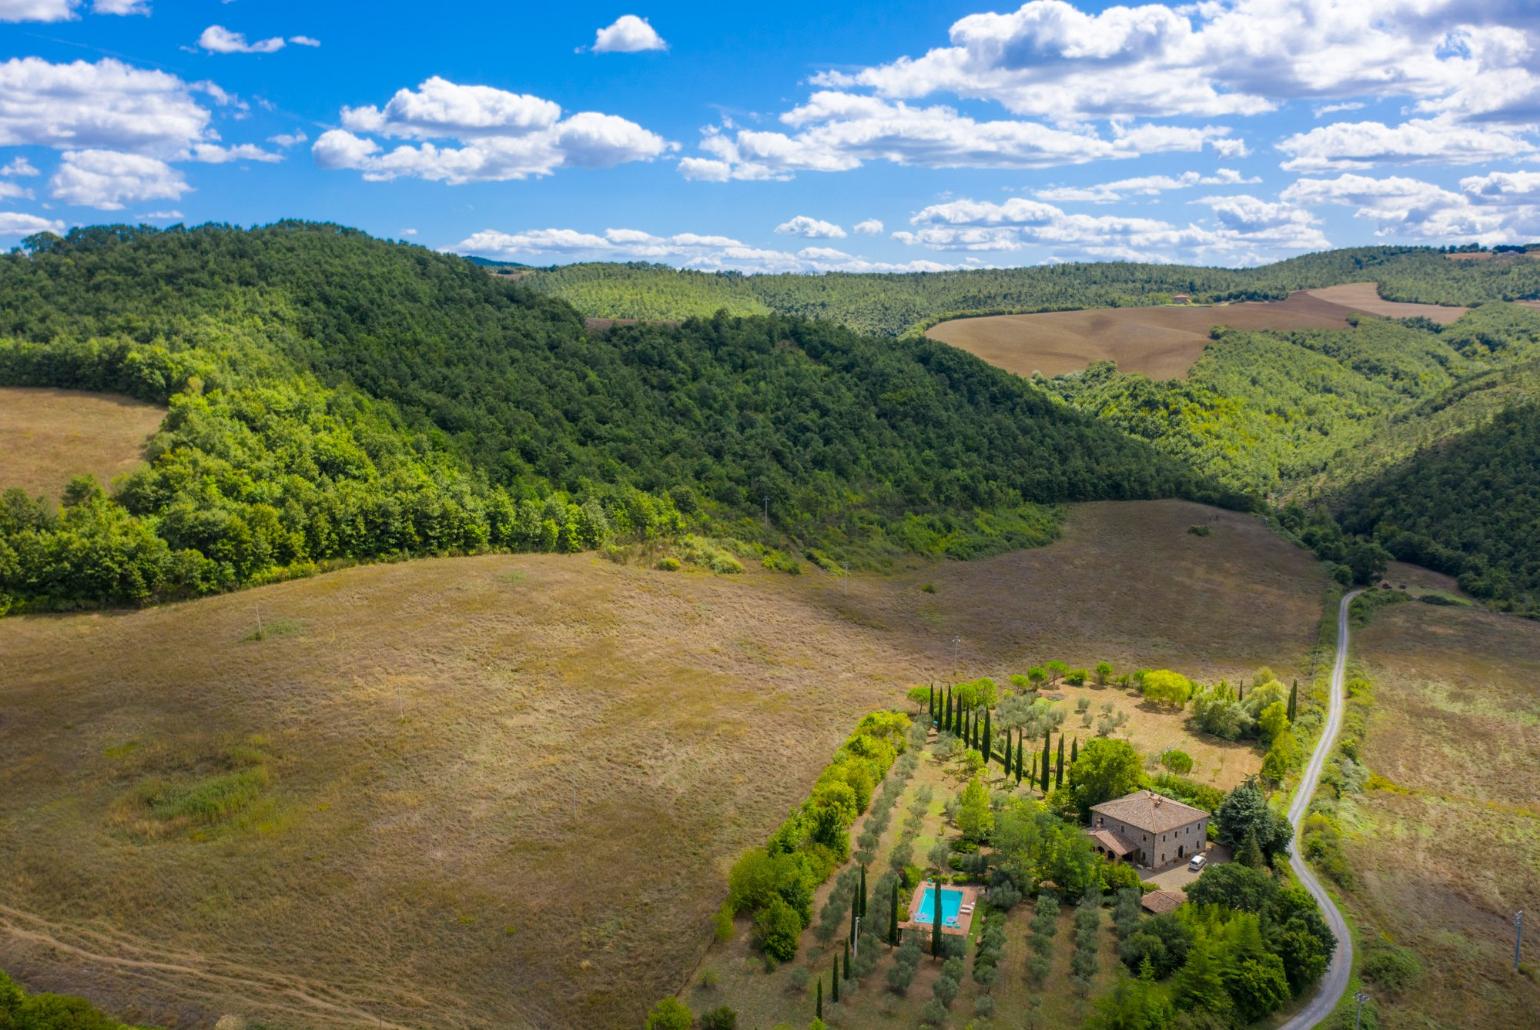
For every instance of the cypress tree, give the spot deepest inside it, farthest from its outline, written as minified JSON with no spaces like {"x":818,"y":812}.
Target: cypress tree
{"x":855,"y":910}
{"x":1019,"y":741}
{"x":819,"y":1008}
{"x":988,"y":744}
{"x":893,"y":918}
{"x":932,"y":702}
{"x":935,"y":930}
{"x":834,"y":985}
{"x":847,"y":960}
{"x":1047,"y":761}
{"x":1074,"y":750}
{"x":951,"y":716}
{"x":1293,"y":698}
{"x":863,"y":892}
{"x":1006,"y":758}
{"x":1058,"y":776}
{"x":1242,"y":695}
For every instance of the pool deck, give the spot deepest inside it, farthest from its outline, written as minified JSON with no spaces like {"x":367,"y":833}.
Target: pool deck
{"x":970,"y":899}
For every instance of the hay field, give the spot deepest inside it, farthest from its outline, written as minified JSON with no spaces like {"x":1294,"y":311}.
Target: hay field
{"x":1160,"y":342}
{"x":1365,"y":297}
{"x":1450,"y":846}
{"x":503,"y":790}
{"x":48,"y":436}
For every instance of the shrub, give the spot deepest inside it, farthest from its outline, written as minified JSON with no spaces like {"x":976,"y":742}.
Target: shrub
{"x":1076,"y":677}
{"x":946,"y":990}
{"x":669,"y":564}
{"x":1390,"y":967}
{"x":670,"y":1014}
{"x":776,"y":928}
{"x":1177,"y":760}
{"x":722,"y":923}
{"x":720,"y":1018}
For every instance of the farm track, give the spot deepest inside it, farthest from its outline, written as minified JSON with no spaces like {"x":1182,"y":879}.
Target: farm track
{"x":1338,"y":971}
{"x":312,"y":1003}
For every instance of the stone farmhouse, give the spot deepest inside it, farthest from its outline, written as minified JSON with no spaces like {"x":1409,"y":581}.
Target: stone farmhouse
{"x":1148,"y":830}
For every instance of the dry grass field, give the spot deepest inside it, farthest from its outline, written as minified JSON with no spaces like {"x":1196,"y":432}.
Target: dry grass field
{"x":1449,"y":847}
{"x":48,"y":436}
{"x":503,"y":791}
{"x":1161,"y":342}
{"x":1365,"y":297}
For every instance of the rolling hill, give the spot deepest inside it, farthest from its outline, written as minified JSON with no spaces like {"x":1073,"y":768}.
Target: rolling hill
{"x":334,"y":397}
{"x":907,"y":304}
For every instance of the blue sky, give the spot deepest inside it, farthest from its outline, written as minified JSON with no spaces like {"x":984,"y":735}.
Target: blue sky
{"x":795,"y":136}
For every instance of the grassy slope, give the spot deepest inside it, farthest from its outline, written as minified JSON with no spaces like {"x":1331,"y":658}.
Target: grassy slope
{"x":1446,"y":850}
{"x":503,"y":790}
{"x":47,"y":436}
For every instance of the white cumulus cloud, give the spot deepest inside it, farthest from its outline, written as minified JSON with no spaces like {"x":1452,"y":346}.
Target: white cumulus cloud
{"x":686,"y":250}
{"x":1352,"y":145}
{"x":217,"y":39}
{"x":479,"y":133}
{"x":628,"y":34}
{"x":17,"y":223}
{"x":108,"y":179}
{"x":1140,"y":186}
{"x":868,"y":227}
{"x":810,"y":228}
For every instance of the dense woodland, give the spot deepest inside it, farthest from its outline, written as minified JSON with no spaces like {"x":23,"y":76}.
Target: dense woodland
{"x":337,"y":398}
{"x":899,"y":304}
{"x":334,"y":397}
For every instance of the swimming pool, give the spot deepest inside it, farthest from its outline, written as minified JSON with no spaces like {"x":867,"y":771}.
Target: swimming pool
{"x":951,"y":902}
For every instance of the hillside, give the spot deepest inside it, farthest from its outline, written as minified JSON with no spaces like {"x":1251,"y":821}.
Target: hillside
{"x":1414,"y":434}
{"x":51,"y":435}
{"x":898,"y":304}
{"x":335,"y":397}
{"x":504,"y":790}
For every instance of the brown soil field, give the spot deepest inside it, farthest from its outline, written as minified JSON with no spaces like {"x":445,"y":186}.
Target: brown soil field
{"x":1448,"y":846}
{"x":1487,"y":255}
{"x":49,"y":436}
{"x":1160,"y":342}
{"x":504,"y":790}
{"x":1365,"y":297}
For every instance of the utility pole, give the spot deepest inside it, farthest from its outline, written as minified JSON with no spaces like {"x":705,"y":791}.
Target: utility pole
{"x":956,"y":661}
{"x":1358,"y":1020}
{"x":1518,"y":937}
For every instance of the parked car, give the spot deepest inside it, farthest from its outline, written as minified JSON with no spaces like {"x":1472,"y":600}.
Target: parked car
{"x":1197,"y":863}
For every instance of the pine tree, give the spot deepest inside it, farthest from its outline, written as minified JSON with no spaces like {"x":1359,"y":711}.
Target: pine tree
{"x":834,"y":992}
{"x":893,"y":918}
{"x":1058,"y":776}
{"x":1020,"y":741}
{"x":1293,"y":699}
{"x":988,"y":744}
{"x":1047,"y":761}
{"x":1250,"y":853}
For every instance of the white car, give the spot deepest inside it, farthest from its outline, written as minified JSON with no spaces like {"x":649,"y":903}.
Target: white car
{"x":1197,"y":863}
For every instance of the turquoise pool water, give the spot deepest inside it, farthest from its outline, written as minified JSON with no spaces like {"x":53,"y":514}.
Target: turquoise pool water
{"x":951,"y":901}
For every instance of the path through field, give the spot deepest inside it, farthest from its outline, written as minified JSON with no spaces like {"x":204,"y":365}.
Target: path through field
{"x":1337,"y":972}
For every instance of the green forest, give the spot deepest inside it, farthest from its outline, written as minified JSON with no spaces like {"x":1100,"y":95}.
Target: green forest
{"x":336,"y":398}
{"x":906,"y":304}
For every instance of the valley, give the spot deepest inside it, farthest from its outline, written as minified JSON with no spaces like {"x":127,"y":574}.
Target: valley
{"x":532,"y":769}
